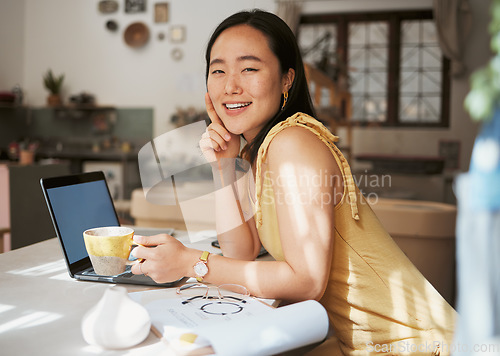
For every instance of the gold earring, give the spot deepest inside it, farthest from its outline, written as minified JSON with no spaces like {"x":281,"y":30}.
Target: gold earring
{"x":285,"y":98}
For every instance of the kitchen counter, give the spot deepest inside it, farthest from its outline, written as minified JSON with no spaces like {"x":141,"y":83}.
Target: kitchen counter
{"x":105,"y":155}
{"x":121,"y":168}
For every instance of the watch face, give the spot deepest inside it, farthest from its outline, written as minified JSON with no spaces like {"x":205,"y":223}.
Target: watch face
{"x":200,"y":269}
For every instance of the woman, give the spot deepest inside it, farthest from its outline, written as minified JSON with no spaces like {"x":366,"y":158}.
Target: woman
{"x":309,"y":214}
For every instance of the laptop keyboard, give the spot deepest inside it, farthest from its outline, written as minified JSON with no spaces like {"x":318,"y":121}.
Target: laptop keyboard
{"x":90,"y":272}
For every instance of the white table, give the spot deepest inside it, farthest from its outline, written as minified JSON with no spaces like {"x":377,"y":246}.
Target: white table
{"x":41,"y":306}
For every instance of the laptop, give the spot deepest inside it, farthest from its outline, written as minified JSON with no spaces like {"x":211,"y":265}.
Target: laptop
{"x":80,"y":202}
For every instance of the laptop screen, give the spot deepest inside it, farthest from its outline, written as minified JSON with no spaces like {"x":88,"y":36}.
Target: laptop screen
{"x":79,"y":206}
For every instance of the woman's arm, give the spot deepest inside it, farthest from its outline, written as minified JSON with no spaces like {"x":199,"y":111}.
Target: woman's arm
{"x":306,"y":179}
{"x":168,"y":260}
{"x":307,"y":184}
{"x":237,"y":237}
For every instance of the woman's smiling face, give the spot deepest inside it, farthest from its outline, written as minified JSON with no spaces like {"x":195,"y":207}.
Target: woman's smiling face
{"x":245,"y":81}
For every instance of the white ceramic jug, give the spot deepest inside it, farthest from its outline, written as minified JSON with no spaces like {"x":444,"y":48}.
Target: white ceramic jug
{"x":116,"y":321}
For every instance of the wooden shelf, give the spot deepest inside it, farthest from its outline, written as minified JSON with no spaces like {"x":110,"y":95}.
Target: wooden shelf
{"x":82,"y":107}
{"x":339,"y":110}
{"x":338,"y":113}
{"x":12,"y":106}
{"x":79,"y":111}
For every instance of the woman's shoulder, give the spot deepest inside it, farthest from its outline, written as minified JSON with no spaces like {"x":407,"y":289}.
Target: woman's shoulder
{"x":299,"y":130}
{"x":295,"y":141}
{"x":293,"y":137}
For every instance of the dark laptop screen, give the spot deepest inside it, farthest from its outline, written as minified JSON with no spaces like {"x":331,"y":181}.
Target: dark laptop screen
{"x":78,"y":207}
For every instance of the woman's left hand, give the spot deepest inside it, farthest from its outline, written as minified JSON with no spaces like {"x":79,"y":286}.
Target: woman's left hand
{"x":163,"y":258}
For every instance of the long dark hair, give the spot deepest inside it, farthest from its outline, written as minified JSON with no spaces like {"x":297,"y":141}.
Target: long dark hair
{"x":284,"y":45}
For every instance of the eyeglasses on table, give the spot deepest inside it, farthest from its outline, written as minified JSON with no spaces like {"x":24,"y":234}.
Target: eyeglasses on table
{"x":224,"y":299}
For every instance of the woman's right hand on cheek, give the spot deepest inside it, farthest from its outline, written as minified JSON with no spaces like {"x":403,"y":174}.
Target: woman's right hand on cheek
{"x":217,"y":142}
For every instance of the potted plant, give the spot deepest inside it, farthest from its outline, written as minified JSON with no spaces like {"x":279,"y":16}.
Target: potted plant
{"x":53,"y":84}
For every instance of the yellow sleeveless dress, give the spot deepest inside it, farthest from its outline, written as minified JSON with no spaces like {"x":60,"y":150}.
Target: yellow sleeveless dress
{"x":377,"y":300}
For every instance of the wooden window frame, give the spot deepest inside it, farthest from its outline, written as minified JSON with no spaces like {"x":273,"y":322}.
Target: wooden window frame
{"x":394,"y":19}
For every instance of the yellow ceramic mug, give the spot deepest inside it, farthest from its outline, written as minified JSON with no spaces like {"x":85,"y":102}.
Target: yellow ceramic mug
{"x":109,"y":248}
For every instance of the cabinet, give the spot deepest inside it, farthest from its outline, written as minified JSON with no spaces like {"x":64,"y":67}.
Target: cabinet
{"x":22,"y":205}
{"x":101,"y":115}
{"x":4,"y":209}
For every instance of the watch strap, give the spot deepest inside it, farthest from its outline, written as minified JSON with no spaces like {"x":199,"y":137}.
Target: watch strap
{"x":204,"y":256}
{"x":204,"y":260}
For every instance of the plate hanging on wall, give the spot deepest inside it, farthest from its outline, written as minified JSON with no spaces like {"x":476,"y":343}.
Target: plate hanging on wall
{"x":136,"y":35}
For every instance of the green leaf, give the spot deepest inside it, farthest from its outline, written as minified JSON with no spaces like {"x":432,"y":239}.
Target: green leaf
{"x":479,"y":103}
{"x":52,"y":83}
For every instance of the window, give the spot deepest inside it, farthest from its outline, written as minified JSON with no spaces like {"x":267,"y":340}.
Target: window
{"x":397,"y":75}
{"x":368,"y":45}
